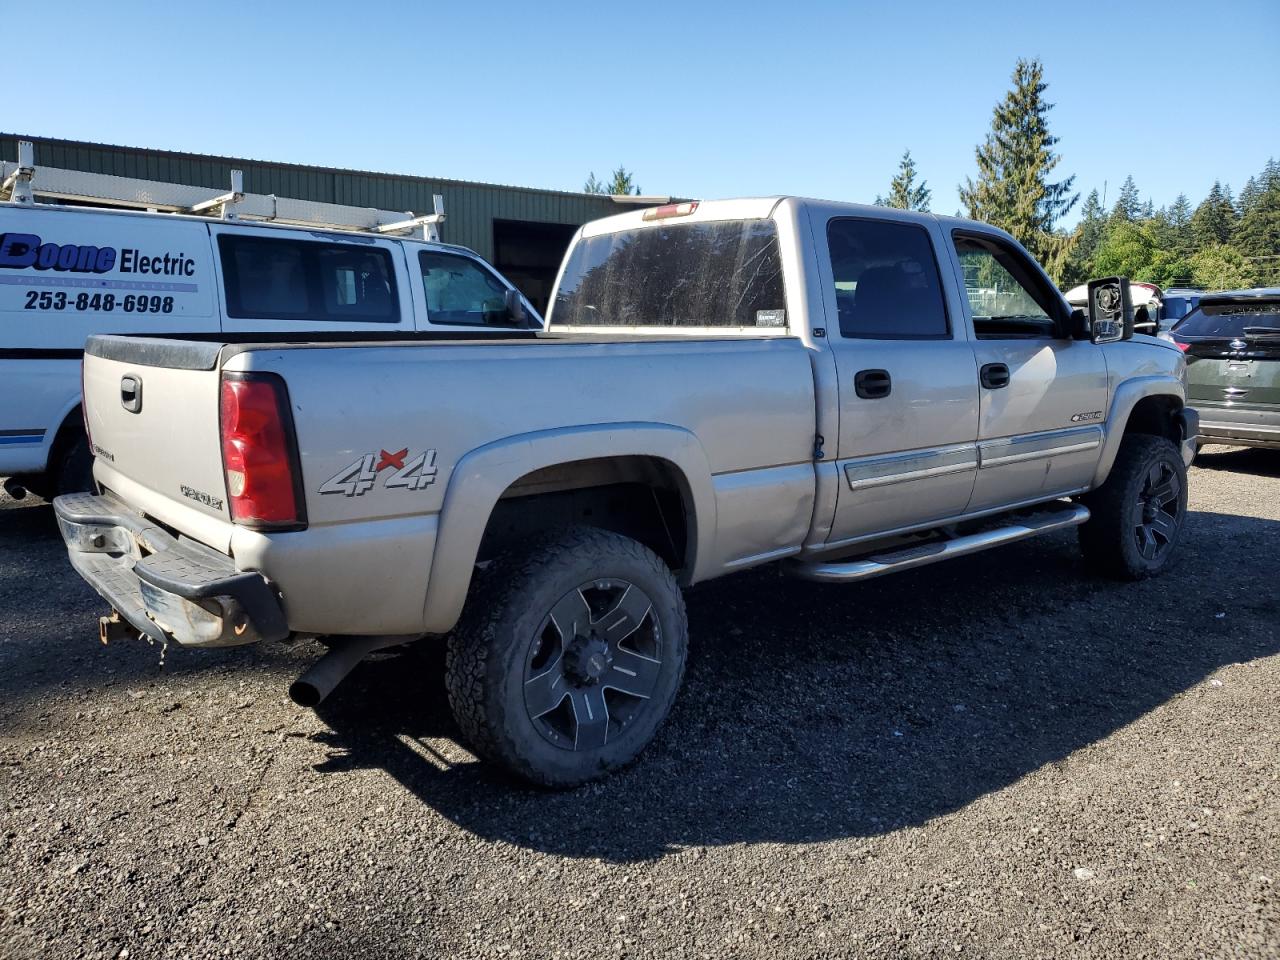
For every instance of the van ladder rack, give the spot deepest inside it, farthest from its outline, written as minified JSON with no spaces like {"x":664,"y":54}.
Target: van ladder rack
{"x":23,"y":182}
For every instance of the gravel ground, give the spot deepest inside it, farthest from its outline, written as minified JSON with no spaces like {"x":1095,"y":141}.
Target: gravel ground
{"x":1003,"y":756}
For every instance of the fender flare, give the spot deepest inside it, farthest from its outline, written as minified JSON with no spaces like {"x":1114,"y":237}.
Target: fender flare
{"x":1127,"y":396}
{"x":481,"y":477}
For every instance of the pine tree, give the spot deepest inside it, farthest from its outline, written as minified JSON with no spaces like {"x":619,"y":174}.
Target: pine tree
{"x":620,"y":185}
{"x":1012,"y":189}
{"x":1128,"y":205}
{"x":1249,"y":195}
{"x":904,"y":192}
{"x":1258,"y":232}
{"x":1214,"y":219}
{"x":1181,"y":240}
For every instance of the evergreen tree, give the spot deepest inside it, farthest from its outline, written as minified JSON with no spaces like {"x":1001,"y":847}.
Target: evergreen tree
{"x":1214,"y":219}
{"x":904,"y":192}
{"x":1181,"y":241}
{"x":1258,"y":234}
{"x":1012,"y":189}
{"x":620,"y":185}
{"x":1249,"y":195}
{"x":1128,"y":205}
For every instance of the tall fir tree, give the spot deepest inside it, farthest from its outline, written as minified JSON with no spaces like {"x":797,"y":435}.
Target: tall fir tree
{"x":1215,"y":218}
{"x":1182,"y":241}
{"x":1258,"y":233}
{"x":904,"y":192}
{"x":1128,"y":205}
{"x":620,"y":185}
{"x":1012,"y":189}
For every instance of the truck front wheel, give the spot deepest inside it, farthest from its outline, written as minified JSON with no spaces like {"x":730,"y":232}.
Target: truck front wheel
{"x":568,"y":657}
{"x":1137,"y":515}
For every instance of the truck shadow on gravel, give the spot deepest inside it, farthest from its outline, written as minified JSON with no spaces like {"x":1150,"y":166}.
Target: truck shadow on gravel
{"x":815,"y":712}
{"x":1253,"y":461}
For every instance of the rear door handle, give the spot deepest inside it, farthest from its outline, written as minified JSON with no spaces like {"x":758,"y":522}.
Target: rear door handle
{"x":994,"y":375}
{"x":131,"y":393}
{"x":872,"y":384}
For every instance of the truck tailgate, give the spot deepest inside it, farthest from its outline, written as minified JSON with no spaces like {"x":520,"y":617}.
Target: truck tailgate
{"x":152,"y":412}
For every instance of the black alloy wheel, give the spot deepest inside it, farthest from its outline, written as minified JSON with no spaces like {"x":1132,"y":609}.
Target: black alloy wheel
{"x":594,"y":664}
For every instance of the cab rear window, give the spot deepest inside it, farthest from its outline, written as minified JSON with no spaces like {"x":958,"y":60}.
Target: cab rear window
{"x":721,"y":274}
{"x":270,"y":278}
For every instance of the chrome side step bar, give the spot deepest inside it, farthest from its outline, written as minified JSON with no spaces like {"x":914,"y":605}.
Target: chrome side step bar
{"x":1056,"y":517}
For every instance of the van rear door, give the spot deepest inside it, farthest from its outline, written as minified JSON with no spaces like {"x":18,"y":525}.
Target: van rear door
{"x":302,"y":281}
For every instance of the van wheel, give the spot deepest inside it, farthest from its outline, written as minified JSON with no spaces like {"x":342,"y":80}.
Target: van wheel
{"x":75,"y":472}
{"x":568,"y":656}
{"x":1138,"y":514}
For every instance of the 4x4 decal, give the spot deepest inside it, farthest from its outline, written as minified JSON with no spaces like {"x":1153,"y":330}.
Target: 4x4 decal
{"x":358,"y":478}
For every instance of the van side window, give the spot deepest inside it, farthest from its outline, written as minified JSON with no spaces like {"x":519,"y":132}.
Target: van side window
{"x":279,"y":279}
{"x":1006,"y":299}
{"x":887,"y":282}
{"x":461,"y":291}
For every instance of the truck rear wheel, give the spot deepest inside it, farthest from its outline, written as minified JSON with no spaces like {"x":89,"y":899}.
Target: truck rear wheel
{"x":568,"y":657}
{"x":1137,"y":515}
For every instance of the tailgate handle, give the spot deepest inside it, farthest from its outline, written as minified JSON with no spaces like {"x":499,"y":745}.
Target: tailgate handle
{"x":131,"y":393}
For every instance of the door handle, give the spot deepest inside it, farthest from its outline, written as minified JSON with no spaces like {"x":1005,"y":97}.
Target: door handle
{"x":994,"y":375}
{"x":872,"y":384}
{"x":131,"y":393}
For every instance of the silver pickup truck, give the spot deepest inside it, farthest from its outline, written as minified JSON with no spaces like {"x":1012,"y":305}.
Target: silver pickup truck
{"x":850,"y":390}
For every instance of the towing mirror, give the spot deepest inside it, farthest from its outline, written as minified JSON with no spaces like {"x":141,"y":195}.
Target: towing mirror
{"x":1110,"y":310}
{"x":515,"y":306}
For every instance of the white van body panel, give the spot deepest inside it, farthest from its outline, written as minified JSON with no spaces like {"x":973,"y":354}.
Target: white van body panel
{"x":92,"y":270}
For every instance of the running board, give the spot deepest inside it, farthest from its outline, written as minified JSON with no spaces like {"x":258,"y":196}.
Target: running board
{"x":1030,"y":525}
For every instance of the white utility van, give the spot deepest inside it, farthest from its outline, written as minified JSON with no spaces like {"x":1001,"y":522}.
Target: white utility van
{"x":166,"y":261}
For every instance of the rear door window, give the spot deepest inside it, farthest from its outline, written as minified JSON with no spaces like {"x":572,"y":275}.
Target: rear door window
{"x":886,"y":279}
{"x":724,"y":273}
{"x":271,"y":278}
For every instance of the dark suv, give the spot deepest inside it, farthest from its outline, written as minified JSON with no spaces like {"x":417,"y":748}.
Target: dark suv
{"x":1232,"y":343}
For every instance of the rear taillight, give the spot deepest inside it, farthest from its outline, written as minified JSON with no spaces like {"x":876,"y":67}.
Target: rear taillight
{"x":259,"y":452}
{"x":1182,"y":345}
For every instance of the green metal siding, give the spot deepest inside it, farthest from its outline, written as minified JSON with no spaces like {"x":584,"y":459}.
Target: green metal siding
{"x":470,"y":208}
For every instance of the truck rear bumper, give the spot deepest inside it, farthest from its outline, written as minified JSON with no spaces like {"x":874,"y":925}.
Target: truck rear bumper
{"x":168,"y":589}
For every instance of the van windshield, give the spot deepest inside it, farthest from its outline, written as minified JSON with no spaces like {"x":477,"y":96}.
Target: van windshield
{"x":725,"y":273}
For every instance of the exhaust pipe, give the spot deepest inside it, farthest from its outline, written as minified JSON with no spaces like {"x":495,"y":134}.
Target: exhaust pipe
{"x":14,"y":489}
{"x":310,"y":689}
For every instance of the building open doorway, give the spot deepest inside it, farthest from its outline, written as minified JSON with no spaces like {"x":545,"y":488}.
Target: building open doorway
{"x":529,"y":254}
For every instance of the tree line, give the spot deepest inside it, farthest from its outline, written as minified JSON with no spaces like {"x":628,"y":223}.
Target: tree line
{"x":1222,"y":242}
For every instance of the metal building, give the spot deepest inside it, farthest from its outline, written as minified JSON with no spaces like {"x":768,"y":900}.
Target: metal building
{"x":521,"y":230}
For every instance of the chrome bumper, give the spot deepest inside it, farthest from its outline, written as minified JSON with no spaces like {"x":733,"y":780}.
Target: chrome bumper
{"x":166,"y":588}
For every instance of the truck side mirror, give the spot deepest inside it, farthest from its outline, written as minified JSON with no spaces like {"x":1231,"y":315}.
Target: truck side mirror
{"x":1110,"y":310}
{"x":515,"y":306}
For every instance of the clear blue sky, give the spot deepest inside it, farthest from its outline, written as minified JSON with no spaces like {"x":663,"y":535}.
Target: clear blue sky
{"x":698,"y":99}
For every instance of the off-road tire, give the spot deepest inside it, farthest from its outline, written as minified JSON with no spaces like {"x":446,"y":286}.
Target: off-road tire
{"x":486,"y":654}
{"x":1109,"y":538}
